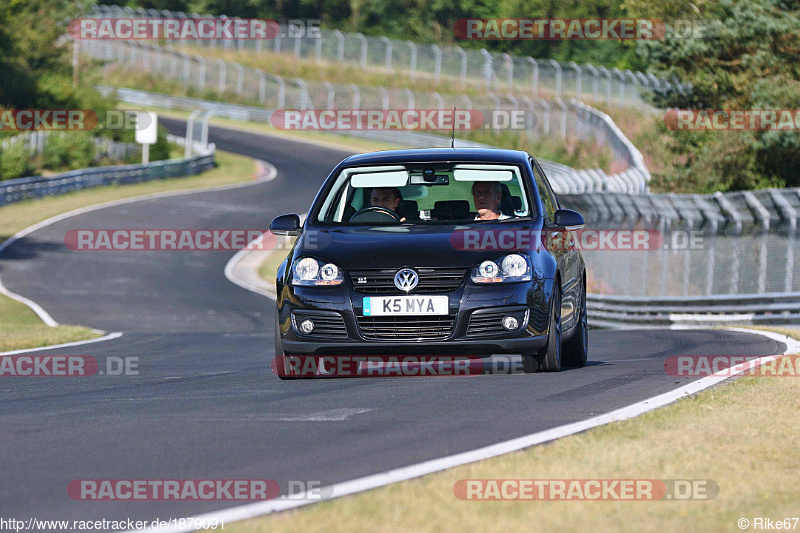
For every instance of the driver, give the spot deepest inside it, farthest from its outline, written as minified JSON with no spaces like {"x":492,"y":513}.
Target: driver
{"x":388,"y":197}
{"x":487,"y":195}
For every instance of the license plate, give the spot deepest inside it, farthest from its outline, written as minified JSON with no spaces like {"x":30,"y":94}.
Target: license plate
{"x":405,"y":305}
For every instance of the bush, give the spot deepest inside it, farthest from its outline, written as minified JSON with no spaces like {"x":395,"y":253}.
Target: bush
{"x":15,"y":162}
{"x":71,"y":151}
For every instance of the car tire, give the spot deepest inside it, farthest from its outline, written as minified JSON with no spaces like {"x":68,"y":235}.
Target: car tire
{"x":576,"y":349}
{"x":279,"y":363}
{"x":550,"y":356}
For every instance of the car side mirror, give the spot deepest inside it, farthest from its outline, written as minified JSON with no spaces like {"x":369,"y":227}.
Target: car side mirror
{"x":286,"y":225}
{"x":568,"y":219}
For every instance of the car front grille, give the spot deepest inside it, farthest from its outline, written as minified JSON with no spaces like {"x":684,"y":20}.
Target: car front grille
{"x":327,"y":324}
{"x":486,"y":322}
{"x":406,"y":328}
{"x":431,"y":280}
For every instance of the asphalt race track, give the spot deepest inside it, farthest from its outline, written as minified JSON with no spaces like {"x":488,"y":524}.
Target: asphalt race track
{"x":205,"y":404}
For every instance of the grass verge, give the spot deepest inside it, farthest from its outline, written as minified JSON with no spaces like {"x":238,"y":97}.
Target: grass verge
{"x":21,"y":328}
{"x":740,"y":435}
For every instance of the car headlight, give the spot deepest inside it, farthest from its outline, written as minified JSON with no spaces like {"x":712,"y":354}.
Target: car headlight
{"x":512,"y":267}
{"x":310,"y":271}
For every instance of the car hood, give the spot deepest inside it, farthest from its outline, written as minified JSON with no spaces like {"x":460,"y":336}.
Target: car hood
{"x":396,"y":246}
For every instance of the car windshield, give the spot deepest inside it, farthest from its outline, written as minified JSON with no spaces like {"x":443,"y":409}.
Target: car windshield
{"x":425,"y":194}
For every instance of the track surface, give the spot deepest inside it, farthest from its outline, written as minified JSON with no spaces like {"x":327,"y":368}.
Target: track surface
{"x":206,"y":406}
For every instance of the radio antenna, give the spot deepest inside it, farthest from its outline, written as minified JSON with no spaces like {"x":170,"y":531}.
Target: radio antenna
{"x":453,"y":136}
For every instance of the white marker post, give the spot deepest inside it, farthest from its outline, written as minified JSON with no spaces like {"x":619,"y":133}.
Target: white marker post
{"x":146,"y":132}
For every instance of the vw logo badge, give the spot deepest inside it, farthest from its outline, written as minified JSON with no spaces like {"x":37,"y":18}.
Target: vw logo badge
{"x":406,"y":279}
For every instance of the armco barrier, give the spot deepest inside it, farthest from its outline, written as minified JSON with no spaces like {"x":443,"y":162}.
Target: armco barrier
{"x":20,"y":189}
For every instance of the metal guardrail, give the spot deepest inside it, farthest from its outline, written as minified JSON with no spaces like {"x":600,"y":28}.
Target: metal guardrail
{"x":20,"y":189}
{"x":627,"y":312}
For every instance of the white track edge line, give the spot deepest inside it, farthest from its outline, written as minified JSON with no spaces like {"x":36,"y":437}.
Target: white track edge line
{"x":43,"y":315}
{"x":108,"y":337}
{"x":346,"y":488}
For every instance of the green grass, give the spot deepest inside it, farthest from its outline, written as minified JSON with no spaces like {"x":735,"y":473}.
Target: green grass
{"x":20,"y":327}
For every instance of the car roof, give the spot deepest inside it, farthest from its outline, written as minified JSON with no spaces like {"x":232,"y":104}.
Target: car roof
{"x":431,"y":155}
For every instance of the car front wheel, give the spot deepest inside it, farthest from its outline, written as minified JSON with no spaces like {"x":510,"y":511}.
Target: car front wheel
{"x":550,"y":356}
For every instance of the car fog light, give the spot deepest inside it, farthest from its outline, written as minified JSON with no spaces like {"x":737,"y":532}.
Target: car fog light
{"x":510,"y":323}
{"x":306,"y":326}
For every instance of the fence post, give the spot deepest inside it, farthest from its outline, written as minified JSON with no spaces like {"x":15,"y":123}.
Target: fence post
{"x":604,"y":71}
{"x":262,"y":87}
{"x":356,"y":96}
{"x":488,"y":68}
{"x":437,"y":65}
{"x":546,"y":107}
{"x":556,"y":66}
{"x":439,"y":100}
{"x":412,"y":62}
{"x":385,"y":40}
{"x":281,"y":92}
{"x":534,"y":77}
{"x":578,"y":79}
{"x":331,"y":94}
{"x":239,"y":78}
{"x":201,"y":77}
{"x":363,"y":49}
{"x":463,"y":54}
{"x":223,"y":70}
{"x":339,"y":45}
{"x":410,"y":96}
{"x":384,"y":98}
{"x":509,"y":73}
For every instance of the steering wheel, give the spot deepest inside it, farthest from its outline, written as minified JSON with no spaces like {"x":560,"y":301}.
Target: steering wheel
{"x":375,"y":213}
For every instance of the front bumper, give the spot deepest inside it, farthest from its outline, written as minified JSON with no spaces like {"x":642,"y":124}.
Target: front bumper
{"x":472,"y":328}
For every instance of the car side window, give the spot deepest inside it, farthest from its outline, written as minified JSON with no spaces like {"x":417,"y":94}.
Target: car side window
{"x":548,"y":199}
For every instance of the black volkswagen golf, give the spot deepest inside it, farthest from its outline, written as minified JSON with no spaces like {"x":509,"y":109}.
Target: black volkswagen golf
{"x":434,"y":251}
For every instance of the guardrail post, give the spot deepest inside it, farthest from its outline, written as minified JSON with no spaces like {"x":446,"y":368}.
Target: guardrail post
{"x":563,"y":118}
{"x":621,"y":77}
{"x":356,"y":96}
